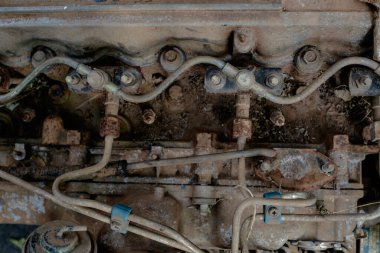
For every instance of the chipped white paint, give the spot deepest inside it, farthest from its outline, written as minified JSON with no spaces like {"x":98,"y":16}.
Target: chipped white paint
{"x":16,"y":206}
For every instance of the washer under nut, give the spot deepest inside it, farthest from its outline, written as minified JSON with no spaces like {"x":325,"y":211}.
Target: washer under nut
{"x":110,"y":125}
{"x":242,"y":128}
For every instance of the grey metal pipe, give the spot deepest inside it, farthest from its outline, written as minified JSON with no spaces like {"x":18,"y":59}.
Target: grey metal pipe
{"x":357,"y":217}
{"x":252,"y":202}
{"x":202,"y":158}
{"x":38,"y":70}
{"x":90,"y":213}
{"x":23,"y":184}
{"x":165,"y":230}
{"x":157,"y":238}
{"x":111,"y":87}
{"x":262,"y":91}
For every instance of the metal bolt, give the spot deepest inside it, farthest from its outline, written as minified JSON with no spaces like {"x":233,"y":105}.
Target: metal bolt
{"x":127,"y":78}
{"x":277,"y":118}
{"x":171,"y":55}
{"x":39,"y":56}
{"x":273,"y":211}
{"x":244,"y":79}
{"x":273,"y":80}
{"x":149,"y":116}
{"x":216,"y":80}
{"x":310,"y":56}
{"x":28,"y":115}
{"x":73,"y":79}
{"x":328,"y":168}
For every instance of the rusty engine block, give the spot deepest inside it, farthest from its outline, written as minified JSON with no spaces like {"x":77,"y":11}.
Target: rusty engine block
{"x":218,"y":126}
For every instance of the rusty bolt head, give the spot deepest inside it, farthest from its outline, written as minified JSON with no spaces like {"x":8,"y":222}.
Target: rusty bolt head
{"x":28,"y":115}
{"x":171,"y":55}
{"x":149,"y":116}
{"x":273,"y":211}
{"x":277,"y":118}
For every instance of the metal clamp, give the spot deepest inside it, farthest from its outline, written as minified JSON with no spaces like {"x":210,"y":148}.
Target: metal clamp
{"x":272,"y":214}
{"x":119,"y":218}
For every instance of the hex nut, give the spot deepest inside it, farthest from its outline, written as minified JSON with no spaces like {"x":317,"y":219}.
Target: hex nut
{"x":277,"y":118}
{"x":171,"y":58}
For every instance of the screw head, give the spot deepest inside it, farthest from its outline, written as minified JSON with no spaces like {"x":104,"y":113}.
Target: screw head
{"x":273,"y":211}
{"x":171,"y":55}
{"x":127,"y":78}
{"x":310,"y":56}
{"x":149,"y":116}
{"x":28,"y":115}
{"x":215,"y":80}
{"x":39,"y":56}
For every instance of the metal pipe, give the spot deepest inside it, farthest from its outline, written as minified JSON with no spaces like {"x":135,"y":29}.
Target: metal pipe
{"x":80,"y":174}
{"x":262,"y":91}
{"x":111,"y":87}
{"x":166,"y":231}
{"x":202,"y":158}
{"x":91,"y":213}
{"x":157,"y":238}
{"x":252,"y":202}
{"x":87,"y":212}
{"x":4,"y":98}
{"x":112,"y":108}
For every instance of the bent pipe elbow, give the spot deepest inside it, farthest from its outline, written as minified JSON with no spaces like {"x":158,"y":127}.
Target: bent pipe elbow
{"x":262,"y":91}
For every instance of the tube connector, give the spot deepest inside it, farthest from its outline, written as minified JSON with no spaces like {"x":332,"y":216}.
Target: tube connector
{"x":97,"y":79}
{"x":230,"y":70}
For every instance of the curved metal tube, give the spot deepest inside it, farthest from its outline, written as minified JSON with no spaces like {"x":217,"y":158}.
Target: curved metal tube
{"x":23,"y":184}
{"x":79,"y":174}
{"x":202,"y":158}
{"x":252,"y":202}
{"x":111,"y":87}
{"x":38,"y":70}
{"x":262,"y":91}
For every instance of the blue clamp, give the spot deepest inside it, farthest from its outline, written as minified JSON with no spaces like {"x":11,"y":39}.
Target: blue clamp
{"x":272,"y":213}
{"x":119,"y":218}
